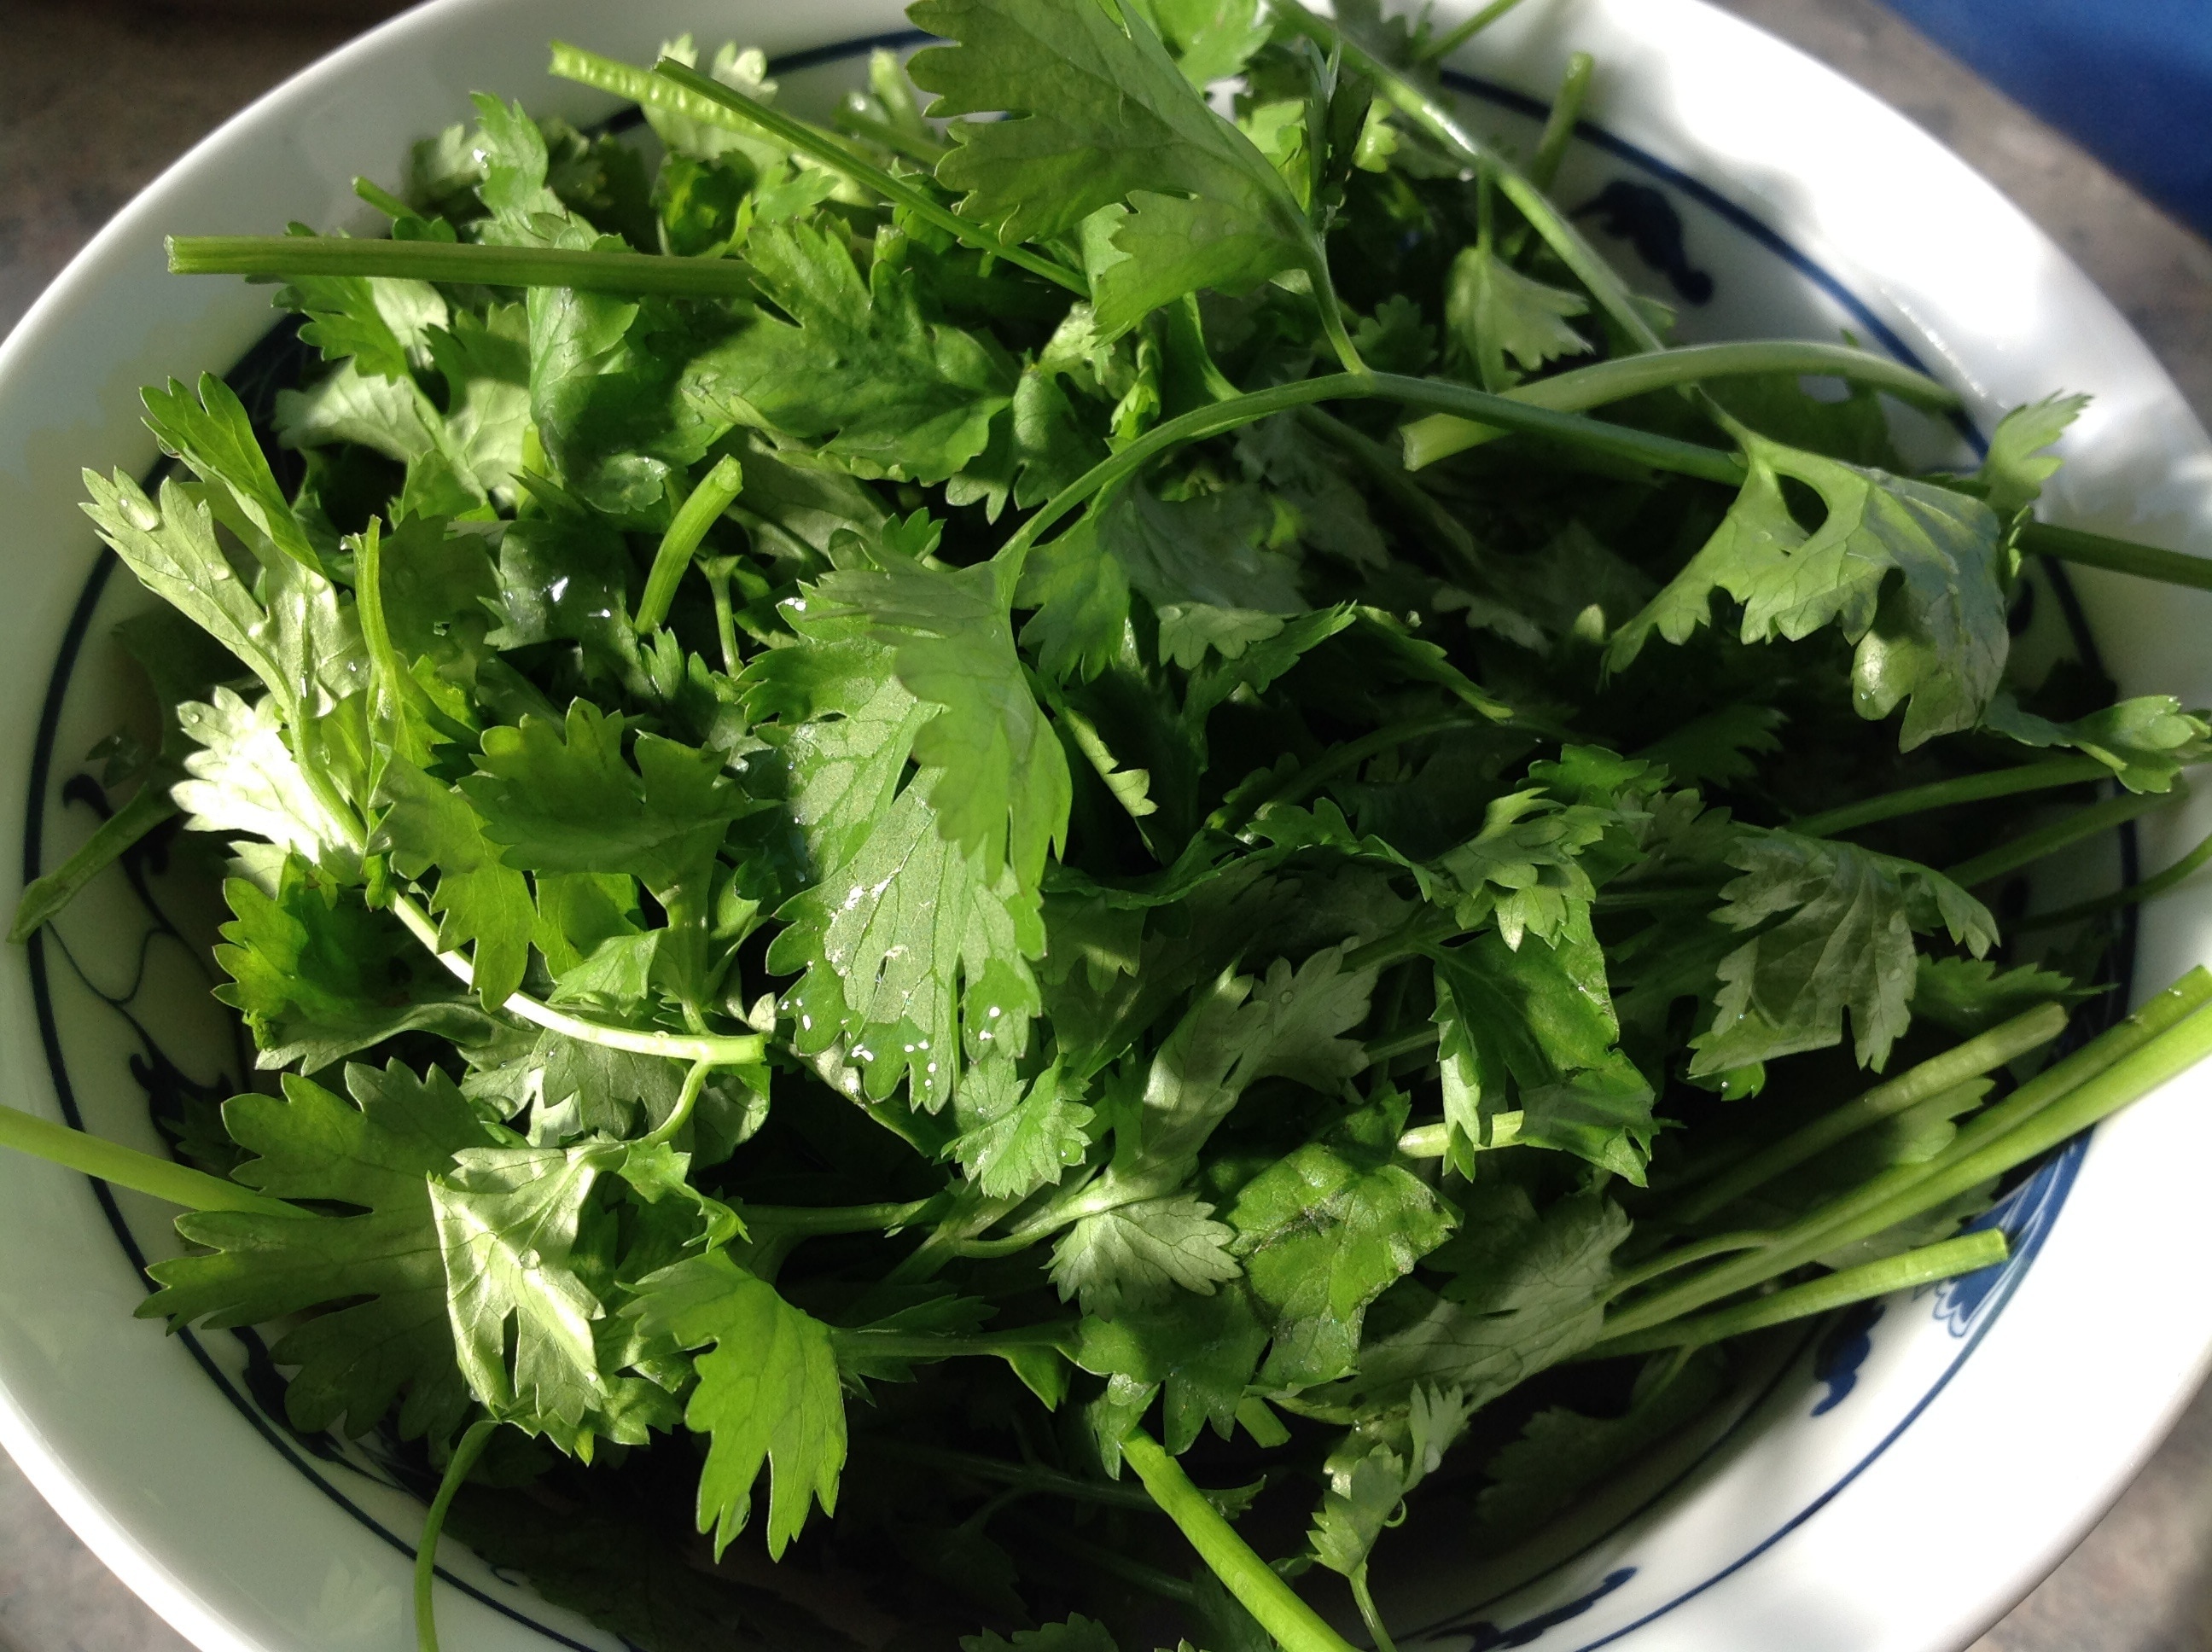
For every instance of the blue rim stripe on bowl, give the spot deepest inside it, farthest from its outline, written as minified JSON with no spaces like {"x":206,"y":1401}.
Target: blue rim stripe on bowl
{"x":2051,"y":1183}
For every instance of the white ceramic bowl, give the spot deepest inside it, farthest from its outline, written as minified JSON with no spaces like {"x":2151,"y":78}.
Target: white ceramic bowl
{"x":1897,"y":1488}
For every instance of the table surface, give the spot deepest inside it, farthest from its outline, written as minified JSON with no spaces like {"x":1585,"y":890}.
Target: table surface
{"x":104,"y":94}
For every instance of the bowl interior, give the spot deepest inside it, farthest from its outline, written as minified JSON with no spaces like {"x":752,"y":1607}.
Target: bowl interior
{"x":137,"y":1437}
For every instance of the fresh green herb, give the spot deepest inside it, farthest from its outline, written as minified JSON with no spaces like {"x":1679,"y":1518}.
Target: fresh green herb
{"x":845,"y":845}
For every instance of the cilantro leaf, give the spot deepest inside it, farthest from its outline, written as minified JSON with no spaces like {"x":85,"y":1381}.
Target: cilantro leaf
{"x":561,"y":798}
{"x":1529,"y":1291}
{"x":1200,"y":1350}
{"x":857,"y":365}
{"x":317,"y":975}
{"x":374,"y":1152}
{"x":1014,"y":1140}
{"x":2146,"y":742}
{"x":1101,"y":115}
{"x":1077,"y":1634}
{"x":485,"y":903}
{"x":999,"y":785}
{"x":1720,"y":748}
{"x":1222,"y":548}
{"x":909,"y":952}
{"x":212,"y":434}
{"x":1323,"y":1232}
{"x":1140,"y":1255}
{"x":1528,"y":1054}
{"x":767,"y":1395}
{"x":2015,"y":467}
{"x":1969,"y":995}
{"x":1523,"y":870}
{"x":1847,"y":944}
{"x":1376,"y":1469}
{"x":244,"y":779}
{"x":1493,"y":311}
{"x":507,"y":1219}
{"x":1935,"y":639}
{"x":382,"y":323}
{"x":1240,"y":1030}
{"x":1081,"y":596}
{"x":845,"y":727}
{"x":1560,"y":1452}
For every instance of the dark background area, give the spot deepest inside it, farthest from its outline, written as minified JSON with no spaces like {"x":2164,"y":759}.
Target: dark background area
{"x":99,"y":95}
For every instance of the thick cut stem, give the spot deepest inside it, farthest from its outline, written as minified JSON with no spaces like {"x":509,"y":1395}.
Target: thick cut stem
{"x":2163,"y":1038}
{"x":1984,"y":1052}
{"x":2120,"y":556}
{"x":716,"y":492}
{"x":1559,"y":124}
{"x":1273,"y":1603}
{"x":127,"y":1167}
{"x":629,"y":273}
{"x":1966,"y":1255}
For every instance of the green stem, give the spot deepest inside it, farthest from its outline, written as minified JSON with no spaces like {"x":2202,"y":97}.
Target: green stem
{"x":1445,"y":45}
{"x":839,"y":1218}
{"x":1426,"y":1141}
{"x":1942,"y":794}
{"x":149,"y":807}
{"x":2164,"y":1037}
{"x":472,"y":1447}
{"x":1428,"y":930}
{"x":1033,"y":1477}
{"x":721,"y":1050}
{"x":1618,"y":441}
{"x":1960,"y":1065}
{"x":2032,"y":847}
{"x":717,"y":490}
{"x":2120,"y":556}
{"x":127,"y":1167}
{"x":382,"y":199}
{"x":1559,"y":124}
{"x":1296,"y":1626}
{"x":687,"y":1099}
{"x":395,"y":686}
{"x":2157,"y":884}
{"x":717,"y":570}
{"x":1416,"y":1038}
{"x":1682,"y":1256}
{"x":1368,"y":1615}
{"x":1967,"y":1254}
{"x":1440,"y":435}
{"x":1332,"y":321}
{"x":889,"y":136}
{"x":752,"y":115}
{"x":460,"y":262}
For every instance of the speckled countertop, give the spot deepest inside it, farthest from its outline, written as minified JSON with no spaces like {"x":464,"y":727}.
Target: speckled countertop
{"x":101,"y":95}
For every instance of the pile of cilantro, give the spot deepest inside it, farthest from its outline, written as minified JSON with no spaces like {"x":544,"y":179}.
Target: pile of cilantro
{"x":938,"y":827}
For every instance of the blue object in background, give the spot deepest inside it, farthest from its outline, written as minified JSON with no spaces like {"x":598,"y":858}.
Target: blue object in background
{"x":2129,"y":80}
